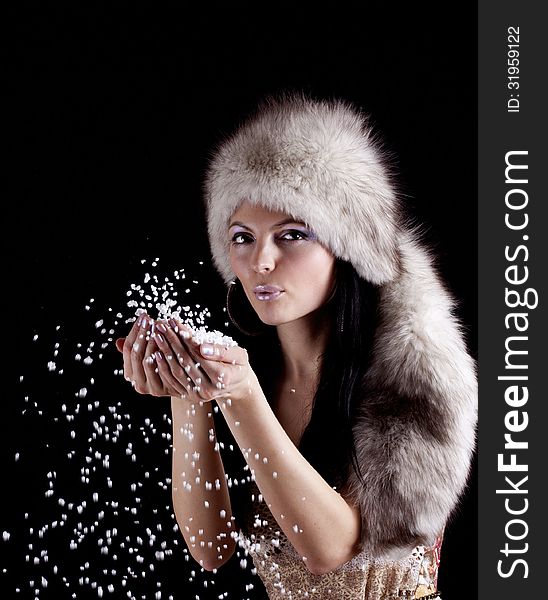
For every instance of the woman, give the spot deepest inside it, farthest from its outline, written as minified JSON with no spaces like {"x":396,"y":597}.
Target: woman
{"x":357,"y":418}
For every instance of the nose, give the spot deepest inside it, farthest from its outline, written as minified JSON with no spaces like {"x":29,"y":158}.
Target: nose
{"x":263,"y":259}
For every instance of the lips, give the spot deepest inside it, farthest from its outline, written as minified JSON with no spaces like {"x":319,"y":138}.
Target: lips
{"x":267,"y":292}
{"x":266,"y":289}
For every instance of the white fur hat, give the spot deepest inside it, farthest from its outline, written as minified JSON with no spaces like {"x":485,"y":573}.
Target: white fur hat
{"x":318,"y":162}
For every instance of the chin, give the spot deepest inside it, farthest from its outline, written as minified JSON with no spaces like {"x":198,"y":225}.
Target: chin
{"x":280,"y":317}
{"x":272,"y":320}
{"x":271,"y":317}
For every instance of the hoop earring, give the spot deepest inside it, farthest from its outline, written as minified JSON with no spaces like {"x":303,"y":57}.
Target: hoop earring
{"x":331,"y":300}
{"x":333,"y":292}
{"x":237,"y":302}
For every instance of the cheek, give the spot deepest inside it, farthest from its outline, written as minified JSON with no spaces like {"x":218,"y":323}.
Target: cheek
{"x":237,"y":263}
{"x":314,"y":272}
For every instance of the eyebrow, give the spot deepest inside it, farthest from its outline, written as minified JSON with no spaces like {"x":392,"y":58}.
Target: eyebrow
{"x":278,"y":224}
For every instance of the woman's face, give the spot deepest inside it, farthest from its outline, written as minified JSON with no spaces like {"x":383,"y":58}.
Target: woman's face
{"x":285,"y":272}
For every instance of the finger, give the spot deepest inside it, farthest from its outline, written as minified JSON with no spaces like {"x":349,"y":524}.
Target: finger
{"x":211,"y":375}
{"x":153,"y":380}
{"x":233,"y":355}
{"x":179,"y":337}
{"x":160,"y":369}
{"x":135,"y":329}
{"x":129,"y":342}
{"x":210,"y":379}
{"x":181,"y":365}
{"x":219,"y":359}
{"x":120,"y":344}
{"x":136,"y":353}
{"x":174,"y":351}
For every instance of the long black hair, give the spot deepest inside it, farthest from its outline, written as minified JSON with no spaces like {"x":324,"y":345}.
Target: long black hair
{"x":327,"y":442}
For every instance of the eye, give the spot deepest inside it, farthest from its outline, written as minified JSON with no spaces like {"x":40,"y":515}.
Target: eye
{"x":240,"y":238}
{"x":294,"y":235}
{"x":291,"y":235}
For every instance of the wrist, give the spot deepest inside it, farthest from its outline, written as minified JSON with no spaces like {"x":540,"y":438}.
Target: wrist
{"x":189,"y":407}
{"x":248,"y":393}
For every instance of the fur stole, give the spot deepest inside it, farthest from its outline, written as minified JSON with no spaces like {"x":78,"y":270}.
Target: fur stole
{"x":415,"y":433}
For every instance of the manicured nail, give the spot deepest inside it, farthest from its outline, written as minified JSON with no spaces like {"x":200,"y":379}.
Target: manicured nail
{"x":161,"y":327}
{"x":158,"y":355}
{"x":207,"y":349}
{"x":139,"y":321}
{"x":158,"y":337}
{"x":144,"y":323}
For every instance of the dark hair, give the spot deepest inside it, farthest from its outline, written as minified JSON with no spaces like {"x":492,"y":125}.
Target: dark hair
{"x":327,"y":442}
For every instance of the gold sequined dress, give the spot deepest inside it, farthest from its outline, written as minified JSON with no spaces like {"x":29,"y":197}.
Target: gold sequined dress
{"x":364,"y":577}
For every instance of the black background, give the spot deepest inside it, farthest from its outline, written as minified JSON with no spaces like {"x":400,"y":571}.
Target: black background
{"x":115,"y":111}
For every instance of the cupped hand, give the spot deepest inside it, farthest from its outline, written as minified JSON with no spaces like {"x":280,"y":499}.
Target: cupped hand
{"x":141,"y":356}
{"x":168,"y":362}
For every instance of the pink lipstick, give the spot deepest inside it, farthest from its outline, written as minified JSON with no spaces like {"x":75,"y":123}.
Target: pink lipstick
{"x":267,"y":292}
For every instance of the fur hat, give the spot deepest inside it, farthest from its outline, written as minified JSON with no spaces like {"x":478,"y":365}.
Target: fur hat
{"x":318,"y":162}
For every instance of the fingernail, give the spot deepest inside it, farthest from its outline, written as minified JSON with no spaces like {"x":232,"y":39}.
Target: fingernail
{"x":161,"y":327}
{"x":144,"y":323}
{"x":207,"y":349}
{"x":139,"y":321}
{"x":158,"y":337}
{"x":158,"y":355}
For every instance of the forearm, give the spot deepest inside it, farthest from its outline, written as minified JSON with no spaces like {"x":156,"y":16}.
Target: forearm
{"x":316,"y":519}
{"x":201,"y":500}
